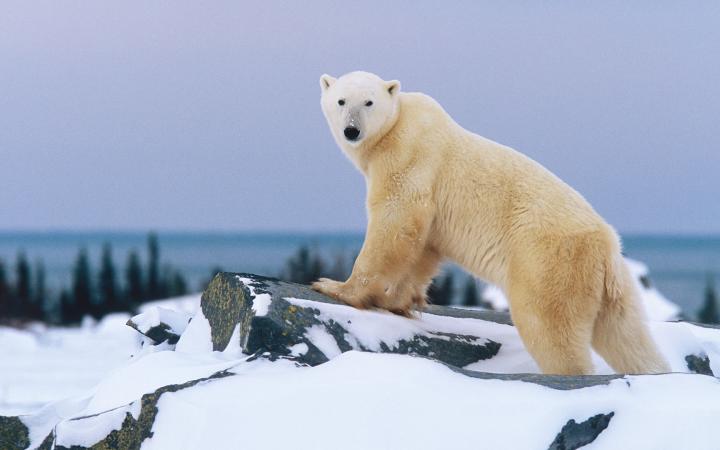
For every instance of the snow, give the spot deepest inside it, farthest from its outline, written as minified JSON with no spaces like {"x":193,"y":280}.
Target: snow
{"x":186,"y":304}
{"x":323,"y":341}
{"x":197,"y":337}
{"x":42,"y":364}
{"x":364,"y":400}
{"x":154,"y":316}
{"x":130,"y":382}
{"x":656,"y":306}
{"x":299,"y":349}
{"x":261,"y":301}
{"x":48,"y":364}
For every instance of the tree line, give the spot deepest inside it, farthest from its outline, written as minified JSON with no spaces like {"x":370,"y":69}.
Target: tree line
{"x":93,"y":293}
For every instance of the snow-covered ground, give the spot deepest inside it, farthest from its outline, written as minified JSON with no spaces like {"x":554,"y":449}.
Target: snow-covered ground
{"x":44,"y":364}
{"x":382,"y":401}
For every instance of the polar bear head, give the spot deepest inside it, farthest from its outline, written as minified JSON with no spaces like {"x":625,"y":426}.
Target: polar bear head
{"x":360,"y":107}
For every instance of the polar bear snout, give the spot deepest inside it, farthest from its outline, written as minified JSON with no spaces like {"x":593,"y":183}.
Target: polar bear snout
{"x":351,"y":133}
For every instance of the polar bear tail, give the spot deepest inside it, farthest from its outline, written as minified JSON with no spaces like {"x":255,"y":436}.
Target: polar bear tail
{"x":620,"y":334}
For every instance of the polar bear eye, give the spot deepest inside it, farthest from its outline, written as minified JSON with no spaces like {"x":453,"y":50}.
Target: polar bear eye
{"x":369,"y":103}
{"x":341,"y":102}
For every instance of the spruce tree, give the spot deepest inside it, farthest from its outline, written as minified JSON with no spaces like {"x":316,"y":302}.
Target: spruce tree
{"x":304,"y":267}
{"x":82,"y":286}
{"x":178,"y":285}
{"x":133,"y":280}
{"x":68,"y":311}
{"x":23,"y":301}
{"x":709,"y":311}
{"x":40,"y":300}
{"x":470,"y":294}
{"x":153,"y":272}
{"x":441,"y":290}
{"x":107,"y":284}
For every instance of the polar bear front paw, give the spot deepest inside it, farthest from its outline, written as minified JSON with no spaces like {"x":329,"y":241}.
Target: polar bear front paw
{"x":339,"y":291}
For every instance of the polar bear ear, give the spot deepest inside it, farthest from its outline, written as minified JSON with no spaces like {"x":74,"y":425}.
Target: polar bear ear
{"x":393,"y":87}
{"x":326,"y":81}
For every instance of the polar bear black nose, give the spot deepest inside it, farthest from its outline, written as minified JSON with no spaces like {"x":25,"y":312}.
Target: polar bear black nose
{"x":351,"y":133}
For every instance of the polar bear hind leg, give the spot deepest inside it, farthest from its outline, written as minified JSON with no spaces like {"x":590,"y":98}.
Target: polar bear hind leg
{"x":621,"y":336}
{"x":555,"y":289}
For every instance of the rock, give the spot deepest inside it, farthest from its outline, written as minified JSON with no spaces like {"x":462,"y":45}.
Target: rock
{"x":575,"y":435}
{"x":290,"y":319}
{"x":160,"y":324}
{"x":699,"y":364}
{"x":14,"y":434}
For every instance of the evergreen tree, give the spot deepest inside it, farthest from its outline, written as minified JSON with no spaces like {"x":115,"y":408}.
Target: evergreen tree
{"x":4,"y":292}
{"x":82,"y":286}
{"x":177,"y":285}
{"x":709,"y":311}
{"x":165,"y":283}
{"x":23,"y":301}
{"x":470,"y":294}
{"x":133,"y":279}
{"x":153,"y":272}
{"x":40,"y":300}
{"x":68,"y":311}
{"x":441,"y":290}
{"x":304,"y":267}
{"x":107,"y":284}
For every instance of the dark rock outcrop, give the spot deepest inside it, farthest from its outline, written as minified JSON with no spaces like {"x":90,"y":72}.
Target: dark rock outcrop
{"x":229,"y":302}
{"x":14,"y":434}
{"x":575,"y":435}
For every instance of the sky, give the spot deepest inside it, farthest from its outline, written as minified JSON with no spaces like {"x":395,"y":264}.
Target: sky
{"x":206,"y":115}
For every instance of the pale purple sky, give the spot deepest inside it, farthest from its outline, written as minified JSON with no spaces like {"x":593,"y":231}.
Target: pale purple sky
{"x":206,"y":116}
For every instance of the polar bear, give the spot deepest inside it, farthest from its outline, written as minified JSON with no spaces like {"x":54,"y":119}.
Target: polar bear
{"x":436,"y":191}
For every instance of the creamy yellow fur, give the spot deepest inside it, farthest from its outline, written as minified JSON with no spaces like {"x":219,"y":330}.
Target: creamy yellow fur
{"x":437,"y":191}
